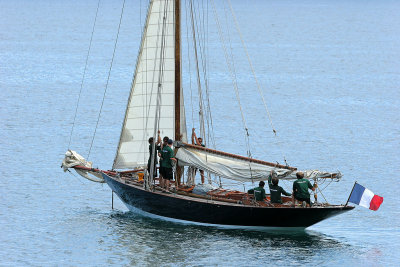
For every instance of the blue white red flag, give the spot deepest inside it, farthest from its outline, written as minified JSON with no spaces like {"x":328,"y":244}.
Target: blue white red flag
{"x":365,"y":198}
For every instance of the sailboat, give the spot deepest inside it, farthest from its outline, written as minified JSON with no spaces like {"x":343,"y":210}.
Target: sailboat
{"x":155,"y":105}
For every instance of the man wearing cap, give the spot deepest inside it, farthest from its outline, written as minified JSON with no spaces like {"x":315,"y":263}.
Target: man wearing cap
{"x":300,"y":189}
{"x":167,"y":155}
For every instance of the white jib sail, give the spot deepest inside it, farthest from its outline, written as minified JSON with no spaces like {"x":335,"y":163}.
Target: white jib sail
{"x":239,"y":169}
{"x":157,"y":52}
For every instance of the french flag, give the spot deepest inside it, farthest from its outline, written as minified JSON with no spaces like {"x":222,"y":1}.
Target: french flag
{"x":365,"y":198}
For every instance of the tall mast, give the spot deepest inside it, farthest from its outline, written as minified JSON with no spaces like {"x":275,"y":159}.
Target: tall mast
{"x":177,"y":70}
{"x":178,"y":136}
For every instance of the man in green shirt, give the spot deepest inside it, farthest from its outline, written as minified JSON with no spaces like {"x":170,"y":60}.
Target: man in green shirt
{"x":259,"y":192}
{"x":300,"y":189}
{"x":275,"y":190}
{"x":167,"y":155}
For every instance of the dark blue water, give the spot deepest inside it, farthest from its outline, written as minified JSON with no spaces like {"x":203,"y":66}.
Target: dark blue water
{"x":330,"y":73}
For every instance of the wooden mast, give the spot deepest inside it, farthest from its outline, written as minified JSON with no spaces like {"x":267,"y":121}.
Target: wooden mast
{"x":177,"y":71}
{"x":178,"y":136}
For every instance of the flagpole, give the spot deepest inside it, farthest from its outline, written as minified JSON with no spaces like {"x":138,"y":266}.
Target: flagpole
{"x":350,"y":194}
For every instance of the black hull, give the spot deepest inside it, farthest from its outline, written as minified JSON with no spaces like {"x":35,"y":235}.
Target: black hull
{"x":219,"y":213}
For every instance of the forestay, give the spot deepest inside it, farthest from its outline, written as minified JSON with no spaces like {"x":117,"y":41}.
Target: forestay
{"x":239,"y":169}
{"x":155,"y":65}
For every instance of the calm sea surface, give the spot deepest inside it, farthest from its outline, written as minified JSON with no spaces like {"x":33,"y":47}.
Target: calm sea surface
{"x":330,"y":73}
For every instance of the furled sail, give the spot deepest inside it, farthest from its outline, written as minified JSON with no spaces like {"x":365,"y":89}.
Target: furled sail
{"x":238,"y":168}
{"x":155,"y":67}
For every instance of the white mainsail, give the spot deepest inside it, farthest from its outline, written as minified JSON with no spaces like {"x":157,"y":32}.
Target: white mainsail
{"x":240,"y":169}
{"x":155,"y":65}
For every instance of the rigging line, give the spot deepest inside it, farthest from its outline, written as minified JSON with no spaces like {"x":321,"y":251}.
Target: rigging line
{"x":197,"y":71}
{"x":161,"y":66}
{"x":228,"y":63}
{"x":230,"y":46}
{"x":144,"y":96}
{"x":321,"y":183}
{"x":189,"y":65}
{"x":251,"y":66}
{"x":201,"y":100}
{"x":133,"y":83}
{"x":159,"y":89}
{"x":84,"y":74}
{"x":207,"y":81}
{"x":162,"y":17}
{"x":322,"y":195}
{"x":159,"y":28}
{"x":231,"y":67}
{"x":108,"y":78}
{"x":201,"y":29}
{"x":143,"y":89}
{"x":197,"y":42}
{"x":201,"y":43}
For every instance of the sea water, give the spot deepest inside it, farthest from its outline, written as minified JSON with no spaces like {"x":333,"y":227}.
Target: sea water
{"x":330,"y":75}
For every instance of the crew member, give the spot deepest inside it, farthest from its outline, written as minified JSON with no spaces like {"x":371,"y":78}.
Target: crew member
{"x":300,"y":189}
{"x":259,"y":192}
{"x":164,"y":144}
{"x":198,"y":141}
{"x":155,"y":161}
{"x":276,"y":191}
{"x":167,"y":155}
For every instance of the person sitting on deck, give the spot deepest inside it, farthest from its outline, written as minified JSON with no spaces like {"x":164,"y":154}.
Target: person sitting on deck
{"x":259,"y":192}
{"x":276,"y":191}
{"x":300,"y":189}
{"x":198,"y":141}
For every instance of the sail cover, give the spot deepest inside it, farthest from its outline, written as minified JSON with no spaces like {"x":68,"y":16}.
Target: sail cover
{"x":155,"y":65}
{"x":239,"y":169}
